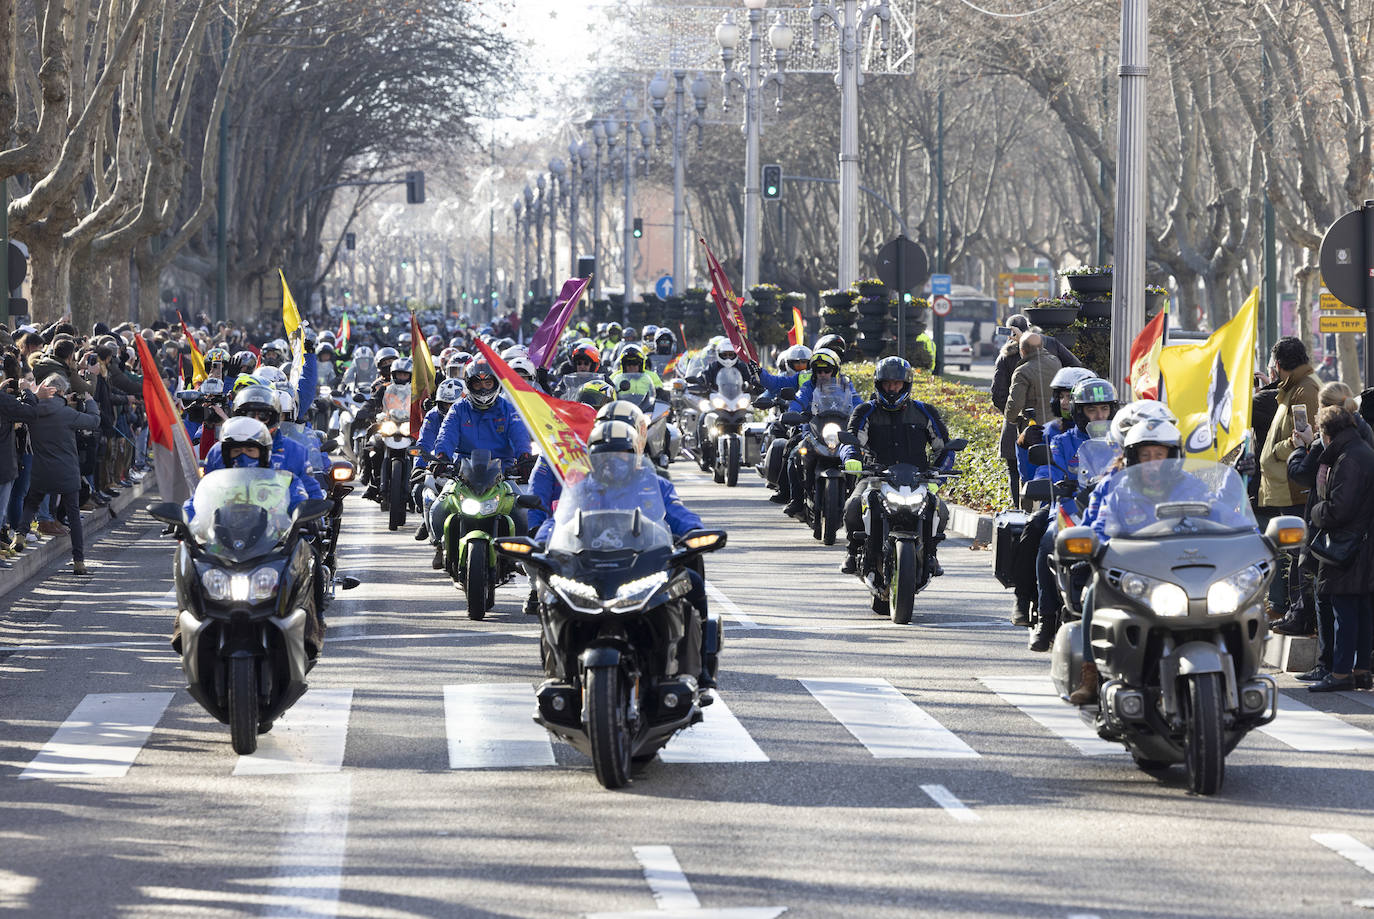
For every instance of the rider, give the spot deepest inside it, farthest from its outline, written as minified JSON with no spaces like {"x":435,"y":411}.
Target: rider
{"x":825,"y":371}
{"x":400,"y":370}
{"x":484,"y":420}
{"x":634,"y":377}
{"x":794,"y":365}
{"x":260,"y":402}
{"x":448,"y":393}
{"x":893,"y":428}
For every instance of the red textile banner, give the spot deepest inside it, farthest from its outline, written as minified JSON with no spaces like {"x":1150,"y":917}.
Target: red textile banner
{"x":728,"y":305}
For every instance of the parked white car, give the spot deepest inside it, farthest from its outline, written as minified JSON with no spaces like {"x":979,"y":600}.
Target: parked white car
{"x":958,"y":351}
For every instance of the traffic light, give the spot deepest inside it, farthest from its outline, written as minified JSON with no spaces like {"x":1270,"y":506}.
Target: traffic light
{"x":350,"y":241}
{"x":415,"y":187}
{"x":638,"y":227}
{"x":772,"y":182}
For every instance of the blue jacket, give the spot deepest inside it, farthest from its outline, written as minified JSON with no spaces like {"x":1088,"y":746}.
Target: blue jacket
{"x":429,"y":435}
{"x":802,"y":403}
{"x":498,"y":429}
{"x":776,"y":383}
{"x":308,"y":387}
{"x":286,"y":454}
{"x":678,"y":516}
{"x":1029,"y":471}
{"x":1064,"y":454}
{"x":545,"y":486}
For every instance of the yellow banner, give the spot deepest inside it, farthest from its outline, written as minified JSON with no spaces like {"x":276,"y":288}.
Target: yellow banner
{"x":290,"y":316}
{"x":1209,"y":385}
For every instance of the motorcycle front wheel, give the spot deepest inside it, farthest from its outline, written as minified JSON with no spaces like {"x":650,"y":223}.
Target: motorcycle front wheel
{"x":833,"y":512}
{"x":475,"y":584}
{"x":731,"y":462}
{"x":397,"y":488}
{"x":1204,"y":742}
{"x":902,"y":588}
{"x":243,"y":705}
{"x":607,"y":729}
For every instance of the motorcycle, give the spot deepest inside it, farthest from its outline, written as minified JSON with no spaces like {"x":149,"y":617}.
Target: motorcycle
{"x":723,"y":425}
{"x":570,"y":384}
{"x":479,"y":502}
{"x":772,"y":464}
{"x":245,"y":588}
{"x":1178,"y":624}
{"x":393,"y":441}
{"x":825,"y":493}
{"x":899,"y":519}
{"x":663,"y":440}
{"x":619,"y":642}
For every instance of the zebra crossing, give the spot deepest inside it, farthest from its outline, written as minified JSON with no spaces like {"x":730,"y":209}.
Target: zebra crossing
{"x":489,"y":726}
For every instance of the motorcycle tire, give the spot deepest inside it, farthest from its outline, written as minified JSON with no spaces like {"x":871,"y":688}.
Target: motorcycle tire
{"x":243,"y":705}
{"x":475,"y":581}
{"x":731,"y":463}
{"x":833,"y":514}
{"x":607,"y":729}
{"x":817,"y":512}
{"x":901,"y":590}
{"x":1204,"y":741}
{"x":718,"y":471}
{"x":397,"y":489}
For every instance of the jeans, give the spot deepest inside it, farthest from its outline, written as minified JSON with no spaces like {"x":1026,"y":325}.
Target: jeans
{"x":5,"y":489}
{"x":19,"y":489}
{"x":71,"y":504}
{"x":1354,"y":632}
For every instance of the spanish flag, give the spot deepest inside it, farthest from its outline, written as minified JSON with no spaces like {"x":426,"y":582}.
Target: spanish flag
{"x":422,"y":384}
{"x":561,"y":428}
{"x":1209,"y":385}
{"x":797,"y":334}
{"x":166,"y":434}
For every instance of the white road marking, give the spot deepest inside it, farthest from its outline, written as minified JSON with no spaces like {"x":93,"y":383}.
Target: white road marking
{"x":166,"y":601}
{"x":309,"y":738}
{"x":435,"y":636}
{"x":1311,"y":731}
{"x":666,"y":880}
{"x":1364,"y":698}
{"x":1036,"y":697}
{"x":101,"y":738}
{"x":731,"y":610}
{"x":719,"y":738}
{"x":957,"y":809}
{"x":92,"y":646}
{"x":490,"y":724}
{"x":889,"y":724}
{"x":310,"y":858}
{"x":1348,"y":847}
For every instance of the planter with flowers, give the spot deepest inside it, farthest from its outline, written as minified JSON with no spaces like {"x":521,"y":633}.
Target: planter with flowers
{"x":1089,"y":279}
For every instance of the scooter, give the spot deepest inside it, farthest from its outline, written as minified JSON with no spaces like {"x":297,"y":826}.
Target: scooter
{"x":1177,"y":615}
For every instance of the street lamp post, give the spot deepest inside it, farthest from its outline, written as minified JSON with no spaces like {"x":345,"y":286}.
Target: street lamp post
{"x":599,"y":135}
{"x":1128,"y":278}
{"x":681,"y":125}
{"x":628,"y":240}
{"x":558,"y":190}
{"x":751,"y":83}
{"x":541,"y":207}
{"x":577,"y":171}
{"x":515,"y":252}
{"x":529,"y":218}
{"x":849,"y":17}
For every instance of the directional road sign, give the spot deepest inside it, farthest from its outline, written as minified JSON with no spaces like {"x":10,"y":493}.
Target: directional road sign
{"x":940,"y":285}
{"x":663,"y":287}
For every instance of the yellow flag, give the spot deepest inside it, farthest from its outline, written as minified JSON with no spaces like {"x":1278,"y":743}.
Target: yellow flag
{"x":1209,"y":385}
{"x":290,"y":316}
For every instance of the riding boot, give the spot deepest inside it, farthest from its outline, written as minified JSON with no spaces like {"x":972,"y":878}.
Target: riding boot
{"x":1042,"y":634}
{"x":532,"y":602}
{"x":1086,"y":693}
{"x":422,"y":533}
{"x":851,"y":556}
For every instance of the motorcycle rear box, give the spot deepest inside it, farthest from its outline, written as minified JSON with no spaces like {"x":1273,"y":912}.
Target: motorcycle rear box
{"x":1006,"y":529}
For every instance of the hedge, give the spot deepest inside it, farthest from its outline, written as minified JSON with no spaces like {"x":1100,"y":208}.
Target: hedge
{"x":969,"y":413}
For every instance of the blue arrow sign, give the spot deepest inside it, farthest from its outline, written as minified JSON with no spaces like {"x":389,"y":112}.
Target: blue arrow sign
{"x":663,"y":287}
{"x":940,"y":285}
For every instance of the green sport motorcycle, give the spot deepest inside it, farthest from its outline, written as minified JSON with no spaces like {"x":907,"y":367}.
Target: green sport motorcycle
{"x":478,"y":505}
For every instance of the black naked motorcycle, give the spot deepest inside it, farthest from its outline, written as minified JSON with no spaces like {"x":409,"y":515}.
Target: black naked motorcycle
{"x":826,"y":489}
{"x":620,"y":644}
{"x":245,"y":582}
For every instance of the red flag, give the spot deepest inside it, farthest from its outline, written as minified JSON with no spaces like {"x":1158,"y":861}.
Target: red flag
{"x":728,"y":305}
{"x":797,"y":334}
{"x":165,"y":428}
{"x":1143,"y":374}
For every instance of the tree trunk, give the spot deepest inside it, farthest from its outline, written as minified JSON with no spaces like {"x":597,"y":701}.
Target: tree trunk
{"x":149,"y":284}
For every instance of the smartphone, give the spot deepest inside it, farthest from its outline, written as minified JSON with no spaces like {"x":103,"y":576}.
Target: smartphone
{"x":1300,"y":417}
{"x":1005,"y":331}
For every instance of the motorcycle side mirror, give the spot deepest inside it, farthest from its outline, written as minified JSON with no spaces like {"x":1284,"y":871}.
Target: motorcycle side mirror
{"x":792,"y":418}
{"x":190,"y":395}
{"x":1066,"y":489}
{"x":764,"y":402}
{"x":1286,"y":533}
{"x":787,"y":394}
{"x":1075,"y":544}
{"x":957,"y":444}
{"x":1039,"y":455}
{"x":329,"y":446}
{"x":624,"y":385}
{"x":528,"y":501}
{"x":359,"y":398}
{"x":310,"y":510}
{"x":170,"y":513}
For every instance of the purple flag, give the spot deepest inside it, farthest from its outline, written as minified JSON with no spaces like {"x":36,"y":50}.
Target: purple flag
{"x":545,"y":342}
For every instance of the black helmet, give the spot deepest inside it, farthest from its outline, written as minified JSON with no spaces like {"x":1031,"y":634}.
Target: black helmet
{"x":833,"y":342}
{"x":258,"y":402}
{"x":892,"y":368}
{"x":480,"y":382}
{"x":1092,"y":392}
{"x":665,"y":342}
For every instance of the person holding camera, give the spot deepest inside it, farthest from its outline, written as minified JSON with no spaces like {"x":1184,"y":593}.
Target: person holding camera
{"x":60,"y":414}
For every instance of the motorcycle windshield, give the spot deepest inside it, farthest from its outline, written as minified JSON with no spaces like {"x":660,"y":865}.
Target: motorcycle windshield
{"x":570,"y":384}
{"x":396,"y":401}
{"x":1096,"y":458}
{"x":240,"y":514}
{"x":481,"y":472}
{"x":1176,"y":497}
{"x":617,"y":507}
{"x":640,"y":390}
{"x":831,"y":399}
{"x":364,"y":369}
{"x":730,"y":383}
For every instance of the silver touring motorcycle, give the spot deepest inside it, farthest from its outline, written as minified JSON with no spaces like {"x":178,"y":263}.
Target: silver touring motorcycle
{"x":1177,"y":623}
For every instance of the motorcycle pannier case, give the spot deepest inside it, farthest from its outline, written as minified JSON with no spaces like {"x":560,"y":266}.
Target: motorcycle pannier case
{"x":1006,"y":530}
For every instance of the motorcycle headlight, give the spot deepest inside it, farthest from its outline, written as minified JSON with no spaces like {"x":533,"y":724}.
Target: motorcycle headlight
{"x":718,"y":401}
{"x":896,"y":498}
{"x":831,"y":435}
{"x":216,"y":583}
{"x":263,"y":584}
{"x":387,"y":428}
{"x":581,"y":597}
{"x":1229,"y":594}
{"x":634,"y":594}
{"x":475,"y":507}
{"x":405,"y":428}
{"x":1135,"y":586}
{"x":1169,"y":600}
{"x":704,"y":406}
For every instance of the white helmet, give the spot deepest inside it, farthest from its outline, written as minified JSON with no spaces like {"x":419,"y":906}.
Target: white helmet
{"x":270,"y":376}
{"x":450,"y":391}
{"x":1135,"y":412}
{"x":286,"y":401}
{"x":513,"y":352}
{"x":726,"y":354}
{"x":1069,"y":377}
{"x":521,"y":364}
{"x":1153,"y":432}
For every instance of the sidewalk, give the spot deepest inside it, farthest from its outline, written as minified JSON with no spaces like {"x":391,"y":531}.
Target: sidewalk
{"x":57,"y":551}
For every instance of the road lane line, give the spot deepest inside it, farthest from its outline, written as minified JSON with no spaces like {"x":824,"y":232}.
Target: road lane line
{"x":1348,"y":847}
{"x":1311,"y":731}
{"x":309,"y":738}
{"x":166,"y":601}
{"x":101,"y":738}
{"x":666,"y":880}
{"x":490,"y":724}
{"x":889,"y":724}
{"x":719,"y":738}
{"x":1036,"y":697}
{"x":957,"y":809}
{"x":310,"y":858}
{"x":731,"y":610}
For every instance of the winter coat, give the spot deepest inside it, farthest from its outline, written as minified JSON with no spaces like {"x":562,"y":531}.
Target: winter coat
{"x":1030,"y":387}
{"x":13,"y":410}
{"x":1276,"y":490}
{"x":56,"y":462}
{"x":1344,"y":502}
{"x":498,"y":429}
{"x":45,"y":365}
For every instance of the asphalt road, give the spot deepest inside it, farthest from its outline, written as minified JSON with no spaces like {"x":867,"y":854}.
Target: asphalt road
{"x":852,"y":767}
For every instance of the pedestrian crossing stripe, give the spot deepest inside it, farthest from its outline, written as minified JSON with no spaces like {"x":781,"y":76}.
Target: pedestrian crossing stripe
{"x":489,"y":726}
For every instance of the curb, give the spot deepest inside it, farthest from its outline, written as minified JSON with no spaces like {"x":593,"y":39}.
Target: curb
{"x":36,"y":559}
{"x":970,"y":524}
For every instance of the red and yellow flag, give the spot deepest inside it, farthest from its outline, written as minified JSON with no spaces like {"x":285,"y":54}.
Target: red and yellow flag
{"x":422,"y":377}
{"x":561,"y":428}
{"x":165,"y":428}
{"x":1143,"y":374}
{"x":797,"y":334}
{"x":729,"y":307}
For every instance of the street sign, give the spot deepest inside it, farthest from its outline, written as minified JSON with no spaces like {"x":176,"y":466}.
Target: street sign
{"x":1342,"y":260}
{"x":902,"y":265}
{"x":1329,"y":301}
{"x":1029,"y":283}
{"x":1341,"y":321}
{"x":941,"y":285}
{"x":663,"y":287}
{"x":941,"y":305}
